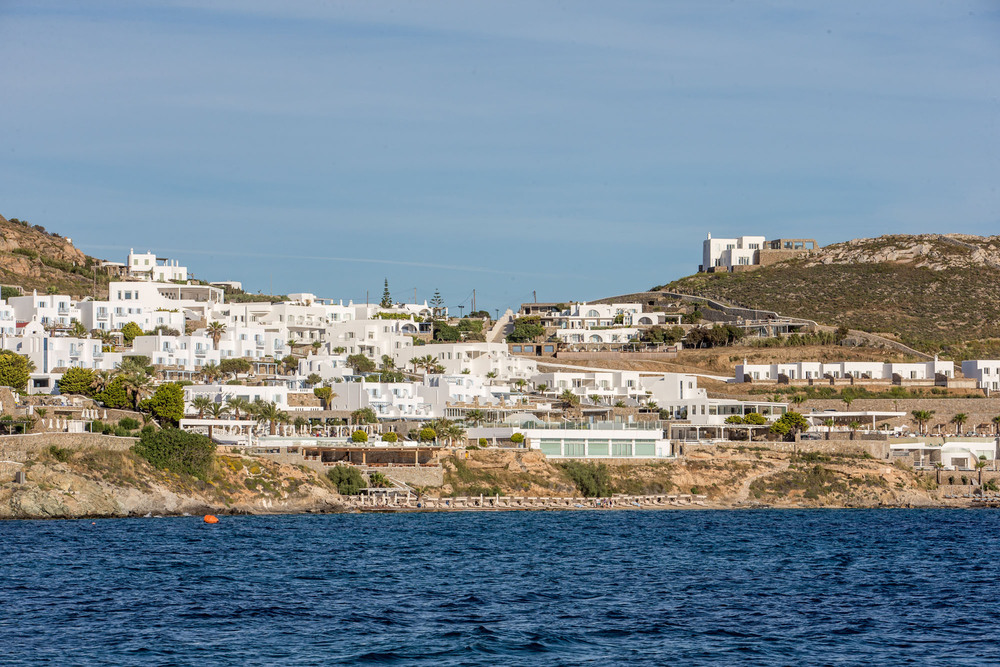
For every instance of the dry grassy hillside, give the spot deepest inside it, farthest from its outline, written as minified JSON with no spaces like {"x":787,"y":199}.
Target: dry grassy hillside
{"x":35,"y":259}
{"x":936,"y":293}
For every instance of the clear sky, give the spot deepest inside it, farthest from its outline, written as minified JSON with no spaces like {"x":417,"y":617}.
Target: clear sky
{"x":580,"y":149}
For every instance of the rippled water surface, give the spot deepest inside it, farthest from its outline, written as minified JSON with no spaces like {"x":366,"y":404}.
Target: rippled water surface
{"x":638,"y":588}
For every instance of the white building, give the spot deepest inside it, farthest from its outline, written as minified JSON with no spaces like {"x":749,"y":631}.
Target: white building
{"x":681,"y":398}
{"x":598,"y":336}
{"x":601,"y":440}
{"x":606,"y":387}
{"x":871,"y":370}
{"x":723,"y":254}
{"x":986,"y":373}
{"x":221,"y":393}
{"x":47,"y":309}
{"x":473,"y":358}
{"x":149,"y":267}
{"x":52,"y":355}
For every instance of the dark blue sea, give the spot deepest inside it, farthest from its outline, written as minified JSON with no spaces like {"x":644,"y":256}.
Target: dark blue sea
{"x":520,"y":588}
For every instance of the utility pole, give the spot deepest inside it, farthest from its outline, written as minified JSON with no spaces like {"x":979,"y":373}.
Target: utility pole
{"x":473,"y":299}
{"x":461,"y":312}
{"x":414,"y":295}
{"x":534,"y":296}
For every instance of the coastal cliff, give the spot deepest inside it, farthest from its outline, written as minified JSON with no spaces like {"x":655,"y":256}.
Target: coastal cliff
{"x":64,"y":482}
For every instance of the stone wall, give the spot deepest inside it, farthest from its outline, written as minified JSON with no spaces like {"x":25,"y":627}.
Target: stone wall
{"x":878,"y":450}
{"x":22,"y":447}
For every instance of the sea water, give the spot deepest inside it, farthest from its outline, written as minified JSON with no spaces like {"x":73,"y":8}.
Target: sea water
{"x":496,"y":588}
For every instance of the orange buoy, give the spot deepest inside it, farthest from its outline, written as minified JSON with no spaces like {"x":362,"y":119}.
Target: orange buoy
{"x":211,"y":518}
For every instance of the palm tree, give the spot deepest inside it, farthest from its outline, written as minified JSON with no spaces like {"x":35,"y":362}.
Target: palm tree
{"x":270,"y":413}
{"x":210,"y":371}
{"x":938,"y":467}
{"x":922,"y":417}
{"x":202,"y":403}
{"x":101,"y":380}
{"x":215,"y":330}
{"x":133,"y":364}
{"x":520,"y":383}
{"x":216,"y":410}
{"x":78,"y":330}
{"x":980,"y":464}
{"x":236,"y":404}
{"x":799,"y":399}
{"x":475,"y":417}
{"x":996,"y":424}
{"x":492,"y":376}
{"x":455,"y":432}
{"x":854,"y":426}
{"x":569,"y":398}
{"x":387,"y":363}
{"x":300,"y":422}
{"x":137,"y":385}
{"x":958,"y":420}
{"x":828,"y":423}
{"x":542,"y":387}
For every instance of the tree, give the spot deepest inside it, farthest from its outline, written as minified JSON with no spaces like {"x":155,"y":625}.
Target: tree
{"x":289,"y":363}
{"x":847,"y":396}
{"x":390,"y":437}
{"x":569,"y":398}
{"x":938,"y":467}
{"x":980,"y":464}
{"x":14,"y":370}
{"x":922,"y":417}
{"x":167,"y":403}
{"x":386,"y":296}
{"x":134,"y":363}
{"x":387,"y":363}
{"x":364,"y":416}
{"x":136,"y":386}
{"x":854,"y":426}
{"x":216,"y":411}
{"x":78,"y":330}
{"x":114,"y":394}
{"x":361,"y":364}
{"x":314,"y":379}
{"x":270,"y":413}
{"x":437,"y":304}
{"x":517,"y":438}
{"x":210,"y":371}
{"x":427,"y":434}
{"x":958,"y":420}
{"x":215,"y":331}
{"x":359,"y":436}
{"x":176,"y":450}
{"x":734,"y":419}
{"x":130,"y":331}
{"x":754,"y":418}
{"x":238,"y":404}
{"x":526,"y":329}
{"x":475,"y":416}
{"x":234,"y":366}
{"x":996,"y":424}
{"x":200,"y":404}
{"x":324,"y":394}
{"x":799,"y":399}
{"x":100,"y":380}
{"x":77,"y":381}
{"x":347,"y":479}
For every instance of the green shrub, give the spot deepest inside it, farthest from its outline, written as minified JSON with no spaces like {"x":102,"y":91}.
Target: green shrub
{"x":347,"y":479}
{"x":593,"y":480}
{"x":377,"y":480}
{"x":128,"y":423}
{"x":60,"y":454}
{"x":27,"y":252}
{"x":517,"y":438}
{"x":483,"y":442}
{"x":427,"y":435}
{"x":390,"y":437}
{"x":176,"y":450}
{"x":359,"y":436}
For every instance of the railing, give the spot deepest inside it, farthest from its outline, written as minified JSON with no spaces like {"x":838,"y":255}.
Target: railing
{"x":393,"y":499}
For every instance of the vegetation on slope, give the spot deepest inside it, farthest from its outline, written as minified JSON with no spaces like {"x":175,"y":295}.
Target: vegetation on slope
{"x":939,"y":300}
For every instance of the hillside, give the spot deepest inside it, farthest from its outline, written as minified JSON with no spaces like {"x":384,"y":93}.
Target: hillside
{"x":937,"y":293}
{"x":32,"y":258}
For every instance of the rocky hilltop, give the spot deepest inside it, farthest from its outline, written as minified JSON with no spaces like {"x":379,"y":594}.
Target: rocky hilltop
{"x":937,"y":252}
{"x":937,"y":293}
{"x":35,"y":259}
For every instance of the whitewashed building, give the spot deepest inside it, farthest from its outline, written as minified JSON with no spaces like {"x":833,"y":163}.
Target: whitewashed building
{"x":872,"y":370}
{"x":986,"y":373}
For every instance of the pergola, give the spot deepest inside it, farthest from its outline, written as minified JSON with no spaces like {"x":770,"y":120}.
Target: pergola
{"x":373,"y":456}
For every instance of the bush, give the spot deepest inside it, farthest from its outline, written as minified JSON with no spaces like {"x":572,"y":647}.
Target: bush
{"x":359,"y":436}
{"x":60,"y":454}
{"x":177,"y":450}
{"x":390,"y":437}
{"x":427,"y":435}
{"x":347,"y":479}
{"x":377,"y":480}
{"x":130,"y":331}
{"x":128,"y":423}
{"x":592,"y":480}
{"x":77,"y":381}
{"x":364,"y":416}
{"x":517,"y":438}
{"x":483,"y":442}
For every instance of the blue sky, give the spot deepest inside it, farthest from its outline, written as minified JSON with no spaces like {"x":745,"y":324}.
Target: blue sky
{"x":580,"y":149}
